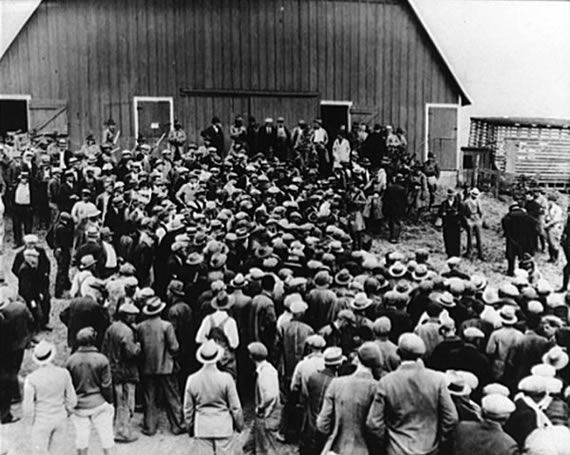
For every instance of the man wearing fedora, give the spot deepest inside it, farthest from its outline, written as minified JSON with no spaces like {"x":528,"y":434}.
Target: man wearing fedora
{"x":412,"y":411}
{"x":159,"y":347}
{"x":502,"y":340}
{"x":222,"y":328}
{"x":122,"y":349}
{"x":311,"y":399}
{"x":321,"y":300}
{"x":181,"y":317}
{"x":451,"y":217}
{"x":212,"y":408}
{"x":91,"y":375}
{"x":49,"y":396}
{"x":346,"y":403}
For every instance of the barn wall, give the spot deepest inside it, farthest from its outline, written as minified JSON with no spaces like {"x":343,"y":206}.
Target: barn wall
{"x":98,"y":54}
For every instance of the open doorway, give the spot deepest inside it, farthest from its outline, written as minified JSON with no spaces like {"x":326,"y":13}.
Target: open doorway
{"x":153,"y":117}
{"x":335,"y":115}
{"x":13,"y":114}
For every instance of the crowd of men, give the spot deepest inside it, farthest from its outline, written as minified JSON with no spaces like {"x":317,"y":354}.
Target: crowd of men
{"x":202,"y":279}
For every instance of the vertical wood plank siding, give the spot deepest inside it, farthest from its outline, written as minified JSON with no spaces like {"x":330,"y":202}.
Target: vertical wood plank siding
{"x":98,"y":54}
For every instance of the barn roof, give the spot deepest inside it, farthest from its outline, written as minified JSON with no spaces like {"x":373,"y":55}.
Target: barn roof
{"x":525,"y":121}
{"x":28,"y":7}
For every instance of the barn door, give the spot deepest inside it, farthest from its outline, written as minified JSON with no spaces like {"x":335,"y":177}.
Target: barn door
{"x":153,"y":117}
{"x":48,"y":116}
{"x":442,"y":135}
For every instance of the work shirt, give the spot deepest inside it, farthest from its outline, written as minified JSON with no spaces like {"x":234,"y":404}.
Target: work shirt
{"x":22,"y":195}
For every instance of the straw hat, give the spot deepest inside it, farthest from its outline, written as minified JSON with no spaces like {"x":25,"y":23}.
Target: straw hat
{"x":209,"y":352}
{"x":154,"y":306}
{"x":44,"y":352}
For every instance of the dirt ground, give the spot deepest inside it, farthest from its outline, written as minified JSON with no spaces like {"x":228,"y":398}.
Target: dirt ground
{"x":15,"y":438}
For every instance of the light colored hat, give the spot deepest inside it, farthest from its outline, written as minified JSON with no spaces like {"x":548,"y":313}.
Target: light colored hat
{"x":44,"y":352}
{"x":382,"y":326}
{"x":474,"y":192}
{"x":31,"y":238}
{"x":508,"y":315}
{"x":333,"y":356}
{"x":129,"y":308}
{"x":496,"y":388}
{"x":209,"y":352}
{"x":153,"y":306}
{"x":543,"y":287}
{"x":453,"y":261}
{"x":497,"y":406}
{"x":397,"y":270}
{"x":456,"y":384}
{"x":479,"y":281}
{"x":238,"y":281}
{"x":473,"y":332}
{"x":316,"y":341}
{"x":87,"y":261}
{"x":257,"y":350}
{"x":412,"y":344}
{"x":543,"y":369}
{"x":298,"y":306}
{"x":508,"y":290}
{"x":533,"y":384}
{"x":556,"y":357}
{"x":446,"y":299}
{"x":535,"y":307}
{"x":490,"y":295}
{"x":360,"y":301}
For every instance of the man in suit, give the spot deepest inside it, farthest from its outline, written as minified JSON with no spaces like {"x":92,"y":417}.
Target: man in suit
{"x":312,"y":396}
{"x":23,"y":214}
{"x":487,"y":436}
{"x":43,"y":270}
{"x":267,"y":138}
{"x":521,"y":233}
{"x":214,"y":135}
{"x":412,"y":410}
{"x":159,"y":346}
{"x":346,"y":405}
{"x":212,"y":409}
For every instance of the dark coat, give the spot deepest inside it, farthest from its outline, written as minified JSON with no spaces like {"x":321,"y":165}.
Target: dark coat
{"x":523,"y":356}
{"x":266,"y":141}
{"x":84,"y":312}
{"x":486,"y":437}
{"x":18,"y":327}
{"x":122,"y":350}
{"x":216,"y":138}
{"x":395,"y":201}
{"x":159,"y":346}
{"x":44,"y":266}
{"x":521,"y":231}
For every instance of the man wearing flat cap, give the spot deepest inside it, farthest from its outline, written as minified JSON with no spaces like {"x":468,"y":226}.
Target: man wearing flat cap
{"x":412,"y":411}
{"x":122,"y":349}
{"x":487,"y":436}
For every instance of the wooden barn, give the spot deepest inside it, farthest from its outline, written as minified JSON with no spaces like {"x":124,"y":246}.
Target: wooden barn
{"x":535,"y":147}
{"x":76,"y":63}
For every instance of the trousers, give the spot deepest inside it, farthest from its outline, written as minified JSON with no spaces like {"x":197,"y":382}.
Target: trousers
{"x":22,"y":218}
{"x":168,"y":385}
{"x":45,"y":433}
{"x":101,"y":417}
{"x":124,"y":409}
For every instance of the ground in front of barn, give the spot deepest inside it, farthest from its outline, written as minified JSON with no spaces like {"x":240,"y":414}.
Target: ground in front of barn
{"x":15,"y":438}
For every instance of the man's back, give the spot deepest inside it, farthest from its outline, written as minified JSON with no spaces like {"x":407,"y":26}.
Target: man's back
{"x":211,"y":404}
{"x":413,"y":408}
{"x":486,"y":437}
{"x":49,"y":391}
{"x":344,"y":411}
{"x":158,"y":344}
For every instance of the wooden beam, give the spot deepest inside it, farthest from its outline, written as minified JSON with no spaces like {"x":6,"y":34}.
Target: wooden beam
{"x":248,"y":93}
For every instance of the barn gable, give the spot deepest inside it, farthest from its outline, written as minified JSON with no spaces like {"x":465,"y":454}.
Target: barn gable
{"x":259,"y":57}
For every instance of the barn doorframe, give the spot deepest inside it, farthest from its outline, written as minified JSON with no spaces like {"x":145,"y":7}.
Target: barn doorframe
{"x":429,"y":106}
{"x":342,"y":104}
{"x":151,"y":99}
{"x":20,"y":97}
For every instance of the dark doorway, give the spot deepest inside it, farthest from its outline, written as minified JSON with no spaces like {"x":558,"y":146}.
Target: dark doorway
{"x":13,"y":115}
{"x":153,"y":118}
{"x":334,"y":116}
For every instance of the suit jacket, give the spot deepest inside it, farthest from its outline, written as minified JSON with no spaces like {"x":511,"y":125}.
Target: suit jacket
{"x":266,"y":140}
{"x":343,"y":415}
{"x":212,"y":408}
{"x":526,"y":353}
{"x":44,"y":265}
{"x":216,"y":138}
{"x":412,"y":410}
{"x":18,"y":329}
{"x":475,"y":438}
{"x":159,"y":346}
{"x":122,"y":350}
{"x":321,"y":301}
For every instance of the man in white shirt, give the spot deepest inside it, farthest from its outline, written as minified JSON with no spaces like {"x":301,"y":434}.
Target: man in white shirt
{"x":320,"y":139}
{"x":341,"y":150}
{"x":554,"y":220}
{"x":23,"y":215}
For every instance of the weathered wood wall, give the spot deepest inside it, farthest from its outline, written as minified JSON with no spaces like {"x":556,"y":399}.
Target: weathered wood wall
{"x":98,"y":54}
